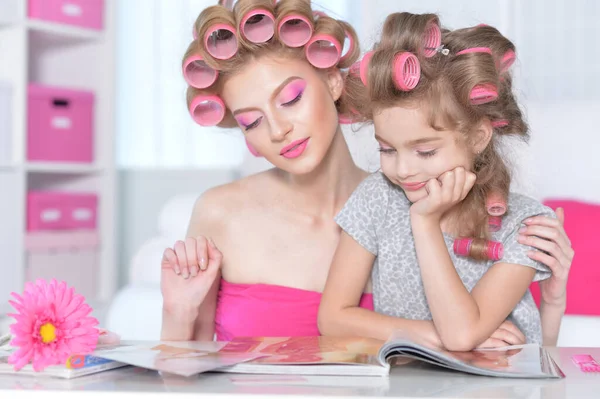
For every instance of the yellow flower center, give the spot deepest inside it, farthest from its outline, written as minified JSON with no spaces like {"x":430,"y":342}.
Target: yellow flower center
{"x":48,"y":333}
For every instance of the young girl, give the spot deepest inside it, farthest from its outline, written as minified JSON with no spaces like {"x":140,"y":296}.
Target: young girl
{"x":258,"y":250}
{"x":425,"y":229}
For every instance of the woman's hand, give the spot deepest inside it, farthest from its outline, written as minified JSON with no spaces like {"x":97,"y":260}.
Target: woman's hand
{"x":189,"y":270}
{"x":548,"y":235}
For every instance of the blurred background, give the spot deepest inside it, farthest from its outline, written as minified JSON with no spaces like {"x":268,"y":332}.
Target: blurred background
{"x":100,"y":162}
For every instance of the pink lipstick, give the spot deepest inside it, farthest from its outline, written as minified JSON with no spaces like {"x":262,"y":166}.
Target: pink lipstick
{"x":295,"y":149}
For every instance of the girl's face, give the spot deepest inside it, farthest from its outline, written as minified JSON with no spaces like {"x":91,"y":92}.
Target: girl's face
{"x":413,"y":152}
{"x":286,"y":110}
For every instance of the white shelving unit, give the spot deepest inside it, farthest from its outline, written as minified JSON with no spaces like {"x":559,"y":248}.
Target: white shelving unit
{"x":35,"y":51}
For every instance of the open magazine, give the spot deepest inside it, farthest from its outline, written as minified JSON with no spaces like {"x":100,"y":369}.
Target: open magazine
{"x":330,"y":356}
{"x":76,"y":366}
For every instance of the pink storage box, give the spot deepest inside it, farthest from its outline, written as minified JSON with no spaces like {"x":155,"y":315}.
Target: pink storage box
{"x":83,"y":13}
{"x":61,"y":211}
{"x":72,"y":257}
{"x":59,"y":124}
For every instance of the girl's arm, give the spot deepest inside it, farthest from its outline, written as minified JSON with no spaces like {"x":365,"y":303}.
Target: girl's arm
{"x":339,"y":312}
{"x":462,"y":319}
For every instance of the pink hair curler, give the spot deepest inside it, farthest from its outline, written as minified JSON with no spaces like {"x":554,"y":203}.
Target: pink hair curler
{"x":258,"y":26}
{"x":407,"y":71}
{"x":492,"y":250}
{"x":499,"y":123}
{"x":495,"y":204}
{"x":486,"y":50}
{"x":252,"y":150}
{"x":295,"y":30}
{"x":481,"y":25}
{"x":323,"y":51}
{"x":220,"y":41}
{"x":483,"y":94}
{"x":207,"y":110}
{"x":495,"y":223}
{"x":197,"y":74}
{"x":354,"y":69}
{"x":318,"y":14}
{"x":350,"y":46}
{"x":432,"y":39}
{"x":364,"y":67}
{"x":345,"y":119}
{"x":507,"y":60}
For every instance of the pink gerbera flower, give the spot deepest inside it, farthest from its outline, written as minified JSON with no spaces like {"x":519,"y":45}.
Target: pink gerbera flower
{"x":52,"y":323}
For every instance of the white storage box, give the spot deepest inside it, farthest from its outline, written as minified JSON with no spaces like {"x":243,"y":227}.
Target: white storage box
{"x":5,"y":123}
{"x":9,"y":11}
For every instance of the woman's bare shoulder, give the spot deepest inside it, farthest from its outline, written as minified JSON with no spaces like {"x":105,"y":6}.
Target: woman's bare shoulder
{"x":222,"y":202}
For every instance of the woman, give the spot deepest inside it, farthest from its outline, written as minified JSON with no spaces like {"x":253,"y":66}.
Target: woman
{"x":258,"y":250}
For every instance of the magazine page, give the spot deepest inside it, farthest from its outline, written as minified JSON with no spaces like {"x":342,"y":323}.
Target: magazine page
{"x":521,"y":361}
{"x":308,"y":355}
{"x":181,"y":358}
{"x":76,"y":366}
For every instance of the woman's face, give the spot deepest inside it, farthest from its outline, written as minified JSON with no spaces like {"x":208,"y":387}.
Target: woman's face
{"x":286,"y":110}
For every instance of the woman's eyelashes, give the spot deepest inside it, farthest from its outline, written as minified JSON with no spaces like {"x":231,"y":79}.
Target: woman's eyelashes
{"x":292,"y":93}
{"x":426,"y":154}
{"x":289,"y":96}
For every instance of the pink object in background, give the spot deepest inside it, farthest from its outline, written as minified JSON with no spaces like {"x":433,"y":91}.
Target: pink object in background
{"x":59,"y":124}
{"x":581,"y":224}
{"x":83,"y":13}
{"x":71,"y":256}
{"x":49,"y":210}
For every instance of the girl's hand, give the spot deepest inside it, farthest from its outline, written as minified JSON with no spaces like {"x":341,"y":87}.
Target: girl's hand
{"x":506,"y":335}
{"x":443,"y":193}
{"x":548,"y":235}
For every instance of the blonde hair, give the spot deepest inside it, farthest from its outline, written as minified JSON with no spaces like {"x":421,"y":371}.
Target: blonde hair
{"x":447,"y":79}
{"x":247,"y":50}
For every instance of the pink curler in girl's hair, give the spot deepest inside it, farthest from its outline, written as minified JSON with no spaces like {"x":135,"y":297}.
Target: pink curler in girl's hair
{"x":207,"y":110}
{"x":220,"y":41}
{"x":486,"y":50}
{"x":432,"y":39}
{"x":495,"y":204}
{"x":407,"y":71}
{"x":252,"y":150}
{"x":495,"y":223}
{"x":507,"y":60}
{"x":499,"y":123}
{"x":479,"y":248}
{"x":323,"y":51}
{"x":483,"y":94}
{"x":258,"y":26}
{"x":318,"y":14}
{"x":354,"y":69}
{"x":197,"y":74}
{"x":295,"y":30}
{"x":364,"y":67}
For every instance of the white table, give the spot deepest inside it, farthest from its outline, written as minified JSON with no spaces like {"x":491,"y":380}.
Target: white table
{"x":411,"y":381}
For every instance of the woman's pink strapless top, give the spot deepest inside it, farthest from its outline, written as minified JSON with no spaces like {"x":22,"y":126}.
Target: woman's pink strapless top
{"x":263,"y":310}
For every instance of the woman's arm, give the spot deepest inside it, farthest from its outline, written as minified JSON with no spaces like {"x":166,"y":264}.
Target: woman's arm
{"x":190,"y":278}
{"x":555,"y":251}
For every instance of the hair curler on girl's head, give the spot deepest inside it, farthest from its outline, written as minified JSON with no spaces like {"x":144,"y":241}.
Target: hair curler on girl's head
{"x":464,"y":80}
